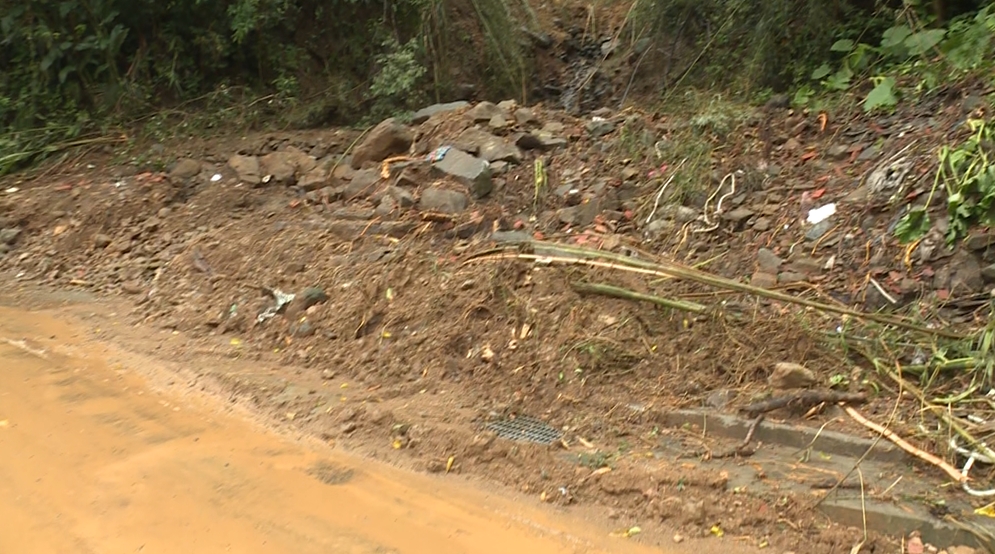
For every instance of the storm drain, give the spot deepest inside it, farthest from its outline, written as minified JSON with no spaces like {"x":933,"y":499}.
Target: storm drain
{"x":525,"y":429}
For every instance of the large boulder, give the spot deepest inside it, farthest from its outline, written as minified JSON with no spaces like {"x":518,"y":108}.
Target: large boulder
{"x":389,"y":138}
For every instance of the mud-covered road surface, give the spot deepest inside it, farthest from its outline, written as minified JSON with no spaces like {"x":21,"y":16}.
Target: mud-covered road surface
{"x":93,"y":458}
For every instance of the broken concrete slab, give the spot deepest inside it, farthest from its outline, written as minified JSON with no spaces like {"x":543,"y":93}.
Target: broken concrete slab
{"x":470,"y":171}
{"x":422,"y":115}
{"x":793,"y":436}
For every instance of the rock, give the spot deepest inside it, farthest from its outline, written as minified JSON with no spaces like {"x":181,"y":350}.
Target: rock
{"x":763,"y":280}
{"x":966,"y":278}
{"x":629,"y":173}
{"x":787,"y":375}
{"x":540,"y":140}
{"x":279,"y":167}
{"x":315,"y":179}
{"x":791,"y":277}
{"x":388,"y":138}
{"x":656,"y":228}
{"x":443,"y":200}
{"x":988,"y":272}
{"x":422,"y":115}
{"x":499,"y":121}
{"x":499,"y":167}
{"x":979,"y":241}
{"x":580,"y":215}
{"x":677,"y":212}
{"x":246,"y":168}
{"x":599,"y":127}
{"x":738,"y":215}
{"x":818,"y":230}
{"x":101,"y":240}
{"x":508,"y":105}
{"x":185,"y":169}
{"x":487,"y":146}
{"x":131,"y":287}
{"x":311,"y":296}
{"x":8,"y":236}
{"x":719,"y":399}
{"x":302,"y":329}
{"x":510,"y":237}
{"x":402,"y":197}
{"x":470,"y":171}
{"x":761,"y":224}
{"x":524,"y":116}
{"x":483,"y":111}
{"x":362,"y":184}
{"x":768,"y":261}
{"x":386,"y":206}
{"x":962,"y":550}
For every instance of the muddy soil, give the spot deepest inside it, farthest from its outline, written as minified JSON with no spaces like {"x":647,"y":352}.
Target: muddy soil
{"x":330,"y":270}
{"x":107,"y":450}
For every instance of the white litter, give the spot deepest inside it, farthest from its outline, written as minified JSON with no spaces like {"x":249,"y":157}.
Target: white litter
{"x":822,"y":213}
{"x":215,"y":178}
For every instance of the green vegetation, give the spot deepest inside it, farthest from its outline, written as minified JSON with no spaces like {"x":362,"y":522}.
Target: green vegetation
{"x":72,"y":67}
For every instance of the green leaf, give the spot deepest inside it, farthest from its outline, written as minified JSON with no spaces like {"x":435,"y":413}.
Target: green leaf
{"x":895,"y":36}
{"x":821,"y":72}
{"x":882,"y":96}
{"x":842,"y":45}
{"x":839,"y":80}
{"x":912,"y":226}
{"x":924,"y":41}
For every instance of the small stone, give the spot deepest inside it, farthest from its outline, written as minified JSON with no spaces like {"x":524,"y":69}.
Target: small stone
{"x":311,"y":296}
{"x":499,"y":121}
{"x":279,"y":167}
{"x":403,"y":198}
{"x":422,"y":115}
{"x":988,"y":272}
{"x":719,"y":399}
{"x":962,"y":550}
{"x":541,"y":140}
{"x":791,"y":277}
{"x":387,"y":139}
{"x":629,"y":173}
{"x":185,"y":169}
{"x":386,"y":206}
{"x":979,"y":241}
{"x":763,"y":280}
{"x":246,"y":168}
{"x":362,"y":184}
{"x":483,"y":111}
{"x":678,"y":538}
{"x":787,"y":375}
{"x":966,"y":277}
{"x":510,"y":237}
{"x":443,"y":200}
{"x":738,"y":215}
{"x":508,"y":105}
{"x":599,"y":127}
{"x":315,"y":179}
{"x":580,"y":215}
{"x":762,"y":224}
{"x":818,"y":230}
{"x":8,"y":236}
{"x":768,"y":261}
{"x":838,"y":152}
{"x":101,"y":240}
{"x":524,"y":116}
{"x":131,"y":287}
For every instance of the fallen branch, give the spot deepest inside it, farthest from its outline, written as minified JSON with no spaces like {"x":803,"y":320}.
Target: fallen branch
{"x":618,"y":292}
{"x":743,"y":448}
{"x":900,"y":442}
{"x":804,"y":399}
{"x":553,"y":253}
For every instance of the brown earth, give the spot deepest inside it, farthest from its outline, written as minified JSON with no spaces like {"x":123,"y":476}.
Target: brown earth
{"x":396,"y":349}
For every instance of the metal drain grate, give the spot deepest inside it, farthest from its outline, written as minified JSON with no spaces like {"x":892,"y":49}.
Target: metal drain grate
{"x":525,"y":429}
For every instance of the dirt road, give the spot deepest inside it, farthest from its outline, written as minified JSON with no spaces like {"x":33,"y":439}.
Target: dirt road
{"x":94,"y":460}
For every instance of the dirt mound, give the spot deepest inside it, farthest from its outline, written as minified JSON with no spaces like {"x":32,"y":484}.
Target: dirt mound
{"x":347,"y":269}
